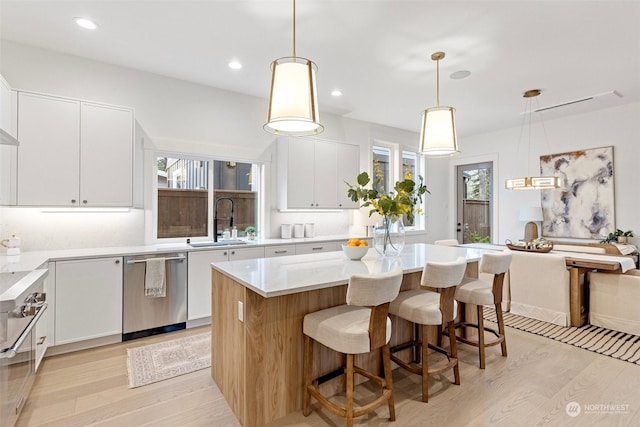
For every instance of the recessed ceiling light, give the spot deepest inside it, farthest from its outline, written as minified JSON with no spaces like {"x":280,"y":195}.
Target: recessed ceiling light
{"x":336,"y":92}
{"x":462,"y":74}
{"x":85,"y":23}
{"x":235,"y":65}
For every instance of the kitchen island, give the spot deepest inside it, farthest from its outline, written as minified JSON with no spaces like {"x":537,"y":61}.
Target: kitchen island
{"x":258,"y":309}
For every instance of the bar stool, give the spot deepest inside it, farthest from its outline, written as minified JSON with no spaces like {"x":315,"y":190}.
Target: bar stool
{"x":360,"y":326}
{"x":423,"y":308}
{"x":480,"y":293}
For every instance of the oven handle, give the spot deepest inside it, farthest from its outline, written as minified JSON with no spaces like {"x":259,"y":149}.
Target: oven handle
{"x":11,"y":352}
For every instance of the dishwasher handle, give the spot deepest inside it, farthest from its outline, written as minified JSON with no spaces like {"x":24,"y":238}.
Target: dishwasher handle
{"x":175,"y":258}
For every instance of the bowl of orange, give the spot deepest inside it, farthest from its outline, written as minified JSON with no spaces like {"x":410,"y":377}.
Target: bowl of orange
{"x":355,"y":248}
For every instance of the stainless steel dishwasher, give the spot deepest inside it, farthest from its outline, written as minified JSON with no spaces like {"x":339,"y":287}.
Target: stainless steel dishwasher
{"x":144,"y":315}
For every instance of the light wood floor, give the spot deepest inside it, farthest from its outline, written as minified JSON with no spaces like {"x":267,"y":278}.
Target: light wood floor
{"x":530,"y":387}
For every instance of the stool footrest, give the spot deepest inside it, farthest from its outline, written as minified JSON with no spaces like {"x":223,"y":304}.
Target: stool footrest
{"x":330,"y":375}
{"x":499,"y":338}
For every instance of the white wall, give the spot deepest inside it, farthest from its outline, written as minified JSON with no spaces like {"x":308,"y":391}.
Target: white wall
{"x":185,"y":117}
{"x":178,"y":116}
{"x":618,"y":127}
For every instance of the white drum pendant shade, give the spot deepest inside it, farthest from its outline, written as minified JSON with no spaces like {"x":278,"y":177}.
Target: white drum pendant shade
{"x":438,"y":132}
{"x":293,"y":103}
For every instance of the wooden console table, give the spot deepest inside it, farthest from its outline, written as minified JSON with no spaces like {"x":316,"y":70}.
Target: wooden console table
{"x":579,"y":264}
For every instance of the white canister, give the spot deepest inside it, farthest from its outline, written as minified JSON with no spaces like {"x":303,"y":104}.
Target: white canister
{"x":12,"y":244}
{"x":309,"y":230}
{"x":285,"y":231}
{"x":298,"y":231}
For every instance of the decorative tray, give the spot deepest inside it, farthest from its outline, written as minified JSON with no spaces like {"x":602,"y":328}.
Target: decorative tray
{"x":533,"y":246}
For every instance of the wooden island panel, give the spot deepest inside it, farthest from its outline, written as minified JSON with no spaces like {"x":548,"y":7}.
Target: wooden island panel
{"x":258,"y":363}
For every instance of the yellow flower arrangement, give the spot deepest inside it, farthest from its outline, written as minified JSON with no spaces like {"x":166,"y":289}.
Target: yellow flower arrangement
{"x":392,"y":205}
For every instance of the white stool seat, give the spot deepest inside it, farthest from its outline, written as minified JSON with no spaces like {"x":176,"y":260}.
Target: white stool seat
{"x":359,"y":327}
{"x":344,"y":328}
{"x":480,"y":293}
{"x":474,"y":291}
{"x":419,"y":306}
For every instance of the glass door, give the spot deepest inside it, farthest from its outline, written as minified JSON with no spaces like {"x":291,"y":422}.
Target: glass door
{"x":474,"y":211}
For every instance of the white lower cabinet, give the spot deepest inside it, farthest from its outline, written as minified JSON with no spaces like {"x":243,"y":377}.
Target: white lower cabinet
{"x":88,"y":299}
{"x":199,"y":276}
{"x":314,"y":248}
{"x":280,"y":250}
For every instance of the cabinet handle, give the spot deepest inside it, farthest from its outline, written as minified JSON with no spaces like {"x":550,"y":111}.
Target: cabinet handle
{"x":233,"y":252}
{"x":280,"y":252}
{"x":41,"y":340}
{"x":311,"y":204}
{"x":316,"y":204}
{"x":225,"y":253}
{"x":73,"y":201}
{"x":317,"y":249}
{"x":84,"y":201}
{"x":117,"y":261}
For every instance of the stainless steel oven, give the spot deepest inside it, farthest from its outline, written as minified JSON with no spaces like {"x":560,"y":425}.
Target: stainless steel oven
{"x":22,"y":306}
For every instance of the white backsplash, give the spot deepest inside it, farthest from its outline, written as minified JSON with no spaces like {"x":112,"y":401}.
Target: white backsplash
{"x":40,"y":230}
{"x":325,"y":223}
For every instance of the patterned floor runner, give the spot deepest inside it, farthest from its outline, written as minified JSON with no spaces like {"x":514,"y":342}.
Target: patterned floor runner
{"x":618,"y":345}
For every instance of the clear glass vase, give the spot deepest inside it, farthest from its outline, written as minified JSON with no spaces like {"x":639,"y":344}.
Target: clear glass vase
{"x":388,"y":237}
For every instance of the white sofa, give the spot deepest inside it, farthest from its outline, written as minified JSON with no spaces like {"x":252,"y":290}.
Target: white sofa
{"x":539,"y":287}
{"x":614,"y":301}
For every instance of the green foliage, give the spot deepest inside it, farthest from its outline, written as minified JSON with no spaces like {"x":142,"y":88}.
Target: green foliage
{"x":162,"y":164}
{"x":476,"y":238}
{"x":612,"y":237}
{"x":402,"y":201}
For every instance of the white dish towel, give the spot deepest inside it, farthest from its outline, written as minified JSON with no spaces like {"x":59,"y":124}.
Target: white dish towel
{"x":154,"y":279}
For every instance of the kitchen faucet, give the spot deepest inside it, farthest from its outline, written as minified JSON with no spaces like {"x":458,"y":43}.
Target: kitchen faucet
{"x":215,"y":217}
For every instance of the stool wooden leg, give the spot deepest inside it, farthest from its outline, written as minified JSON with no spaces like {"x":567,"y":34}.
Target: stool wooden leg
{"x":386,"y":361}
{"x":481,"y":335}
{"x":454,"y":350}
{"x":308,"y":367}
{"x":501,"y":330}
{"x":425,"y":363}
{"x":349,"y":381}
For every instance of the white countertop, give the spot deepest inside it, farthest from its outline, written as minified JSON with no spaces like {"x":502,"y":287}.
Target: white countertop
{"x":32,"y":260}
{"x":271,"y":277}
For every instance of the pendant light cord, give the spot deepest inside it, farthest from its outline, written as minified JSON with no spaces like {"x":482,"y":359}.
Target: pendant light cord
{"x":438,"y":83}
{"x":294,"y":28}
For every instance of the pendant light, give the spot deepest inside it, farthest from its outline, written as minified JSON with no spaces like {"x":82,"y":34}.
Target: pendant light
{"x":438,"y":131}
{"x":293,"y":103}
{"x":531,"y":182}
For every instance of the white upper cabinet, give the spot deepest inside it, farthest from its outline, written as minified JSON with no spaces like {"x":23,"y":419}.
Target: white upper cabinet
{"x":8,"y":152}
{"x":347,"y":171}
{"x":6,"y":108}
{"x":73,"y":153}
{"x":311,"y":173}
{"x":48,"y":167}
{"x":106,"y":157}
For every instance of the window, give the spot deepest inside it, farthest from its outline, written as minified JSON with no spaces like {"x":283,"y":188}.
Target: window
{"x":193,"y":193}
{"x":391,"y":164}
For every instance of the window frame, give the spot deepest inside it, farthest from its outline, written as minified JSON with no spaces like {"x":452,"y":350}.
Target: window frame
{"x":257,"y":186}
{"x":396,"y":172}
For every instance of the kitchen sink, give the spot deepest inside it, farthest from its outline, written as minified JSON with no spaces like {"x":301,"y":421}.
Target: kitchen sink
{"x":220,"y":243}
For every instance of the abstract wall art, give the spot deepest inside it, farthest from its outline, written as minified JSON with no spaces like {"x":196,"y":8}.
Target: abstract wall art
{"x":583,"y":206}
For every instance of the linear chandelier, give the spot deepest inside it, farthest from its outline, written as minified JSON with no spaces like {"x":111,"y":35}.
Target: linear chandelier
{"x":293,"y":102}
{"x":438,"y":130}
{"x":531,"y":182}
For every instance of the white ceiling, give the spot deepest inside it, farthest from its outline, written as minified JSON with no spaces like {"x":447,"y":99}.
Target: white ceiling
{"x":376,"y":52}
